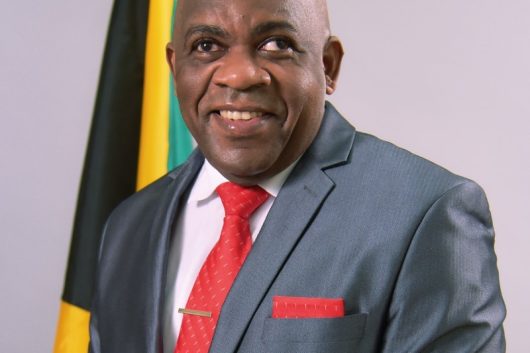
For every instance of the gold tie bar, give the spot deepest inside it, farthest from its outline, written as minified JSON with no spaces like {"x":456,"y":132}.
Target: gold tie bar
{"x":195,"y":312}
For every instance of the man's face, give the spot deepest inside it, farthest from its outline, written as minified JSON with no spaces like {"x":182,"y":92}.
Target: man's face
{"x":251,"y":76}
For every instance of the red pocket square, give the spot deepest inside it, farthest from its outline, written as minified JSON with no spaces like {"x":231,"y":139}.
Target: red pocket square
{"x":305,"y":308}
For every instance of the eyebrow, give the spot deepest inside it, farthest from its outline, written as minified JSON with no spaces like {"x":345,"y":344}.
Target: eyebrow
{"x":273,"y":25}
{"x":205,"y":29}
{"x":260,"y":29}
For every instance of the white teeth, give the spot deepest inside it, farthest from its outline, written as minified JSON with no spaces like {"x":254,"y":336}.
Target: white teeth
{"x":237,"y":115}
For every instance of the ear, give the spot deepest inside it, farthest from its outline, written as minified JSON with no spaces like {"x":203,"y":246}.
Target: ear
{"x":332,"y":59}
{"x":170,"y":58}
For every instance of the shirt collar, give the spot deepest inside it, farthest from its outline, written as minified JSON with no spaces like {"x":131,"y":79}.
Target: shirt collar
{"x":209,"y":178}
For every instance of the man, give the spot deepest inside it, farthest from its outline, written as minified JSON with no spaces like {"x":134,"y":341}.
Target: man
{"x":357,"y":245}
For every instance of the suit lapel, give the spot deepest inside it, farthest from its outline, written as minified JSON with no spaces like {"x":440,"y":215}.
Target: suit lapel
{"x":296,"y":205}
{"x":158,"y":246}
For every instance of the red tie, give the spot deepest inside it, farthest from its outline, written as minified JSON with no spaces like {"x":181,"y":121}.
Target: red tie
{"x":220,"y":268}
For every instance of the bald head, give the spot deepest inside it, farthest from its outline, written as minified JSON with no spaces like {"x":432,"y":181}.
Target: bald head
{"x":311,"y":15}
{"x":251,"y":78}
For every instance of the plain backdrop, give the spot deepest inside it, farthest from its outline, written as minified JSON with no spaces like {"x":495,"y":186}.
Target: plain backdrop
{"x":449,"y":80}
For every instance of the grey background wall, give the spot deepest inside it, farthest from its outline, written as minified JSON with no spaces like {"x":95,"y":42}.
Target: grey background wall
{"x":449,"y":80}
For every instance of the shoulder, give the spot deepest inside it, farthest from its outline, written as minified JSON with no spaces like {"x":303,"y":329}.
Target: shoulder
{"x":357,"y":157}
{"x":385,"y":170}
{"x":140,"y":208}
{"x":141,"y":202}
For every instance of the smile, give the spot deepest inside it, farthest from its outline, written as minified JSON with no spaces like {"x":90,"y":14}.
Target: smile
{"x":239,"y":115}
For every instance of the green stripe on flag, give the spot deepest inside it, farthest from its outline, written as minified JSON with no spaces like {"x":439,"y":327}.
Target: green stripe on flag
{"x":180,"y":144}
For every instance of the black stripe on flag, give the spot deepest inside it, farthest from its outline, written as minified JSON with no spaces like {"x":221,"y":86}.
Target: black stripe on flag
{"x":109,"y":172}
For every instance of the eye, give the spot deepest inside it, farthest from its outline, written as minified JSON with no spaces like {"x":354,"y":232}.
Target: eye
{"x":277,"y":45}
{"x":206,"y":46}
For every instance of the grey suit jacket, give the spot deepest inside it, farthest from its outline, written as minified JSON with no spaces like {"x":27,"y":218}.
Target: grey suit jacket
{"x":407,"y":244}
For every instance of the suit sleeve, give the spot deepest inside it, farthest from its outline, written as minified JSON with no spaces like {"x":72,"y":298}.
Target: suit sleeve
{"x":94,"y":343}
{"x":447,"y":296}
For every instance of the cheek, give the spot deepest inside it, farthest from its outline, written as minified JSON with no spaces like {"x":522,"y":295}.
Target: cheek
{"x":304,"y":95}
{"x":191,"y":83}
{"x":306,"y":104}
{"x":190,"y":88}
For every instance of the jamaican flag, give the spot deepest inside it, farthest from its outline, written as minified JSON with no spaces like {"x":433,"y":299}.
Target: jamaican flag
{"x":137,"y":135}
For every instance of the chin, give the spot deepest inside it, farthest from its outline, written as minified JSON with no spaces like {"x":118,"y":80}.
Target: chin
{"x":243,"y":171}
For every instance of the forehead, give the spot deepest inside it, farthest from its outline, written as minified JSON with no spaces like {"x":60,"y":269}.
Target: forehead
{"x":245,"y":12}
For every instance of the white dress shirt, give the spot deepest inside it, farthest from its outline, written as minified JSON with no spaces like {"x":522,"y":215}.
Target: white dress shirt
{"x":197,"y":230}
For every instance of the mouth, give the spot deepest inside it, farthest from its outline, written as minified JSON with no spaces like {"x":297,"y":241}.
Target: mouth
{"x":244,"y":122}
{"x":240,"y":115}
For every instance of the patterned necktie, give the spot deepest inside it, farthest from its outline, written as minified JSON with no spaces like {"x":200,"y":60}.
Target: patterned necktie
{"x":220,"y":268}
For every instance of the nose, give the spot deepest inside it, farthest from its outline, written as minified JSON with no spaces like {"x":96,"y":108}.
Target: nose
{"x":240,"y":70}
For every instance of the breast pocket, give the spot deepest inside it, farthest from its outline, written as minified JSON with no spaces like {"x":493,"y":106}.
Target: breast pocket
{"x":314,"y":335}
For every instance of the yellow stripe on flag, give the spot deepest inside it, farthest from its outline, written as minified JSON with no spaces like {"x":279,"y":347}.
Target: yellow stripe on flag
{"x":154,"y":144}
{"x":72,"y":330}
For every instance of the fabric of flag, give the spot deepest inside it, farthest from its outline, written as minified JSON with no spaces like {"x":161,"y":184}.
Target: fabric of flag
{"x":137,"y":135}
{"x":158,"y":154}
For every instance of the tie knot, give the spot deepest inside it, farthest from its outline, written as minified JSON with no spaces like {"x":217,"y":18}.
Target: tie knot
{"x":240,"y":200}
